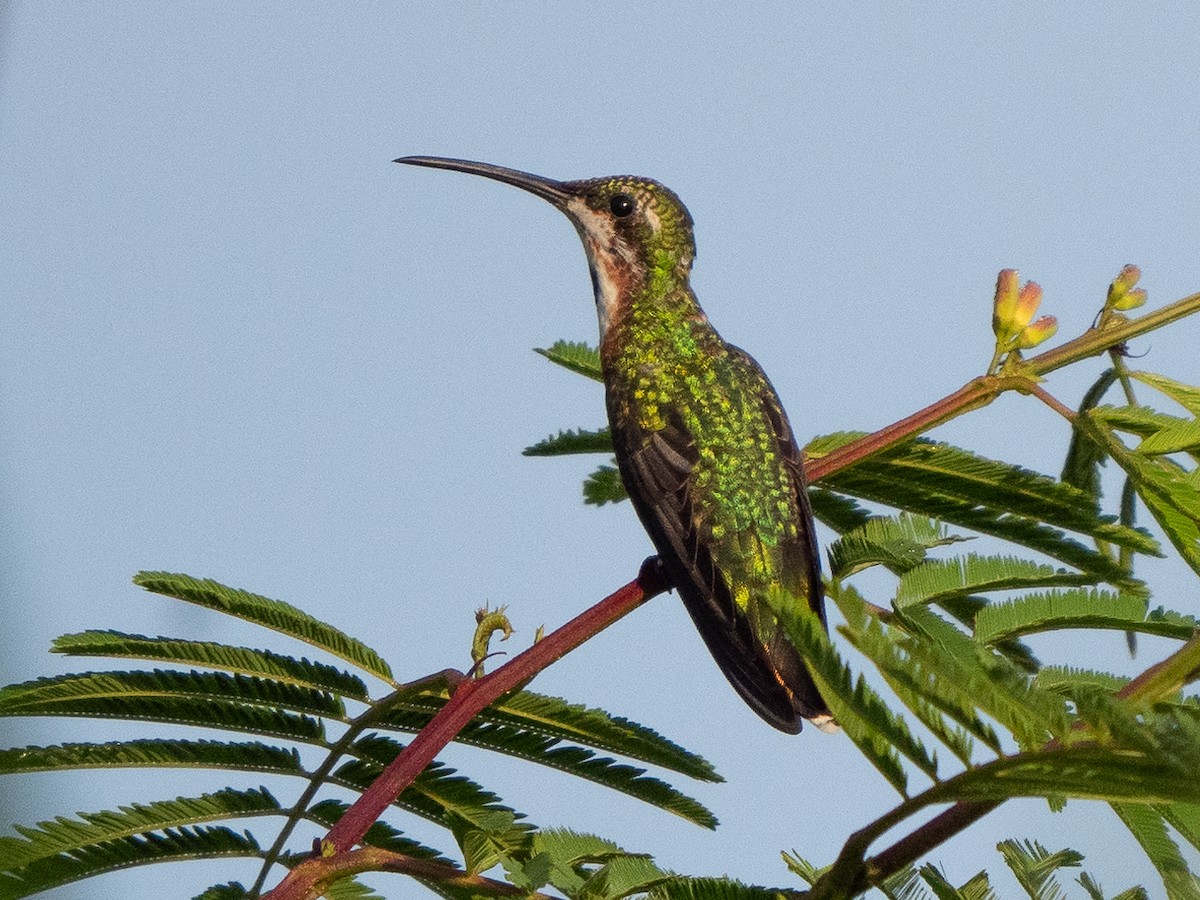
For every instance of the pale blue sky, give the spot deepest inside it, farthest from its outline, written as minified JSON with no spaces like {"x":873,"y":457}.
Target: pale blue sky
{"x":239,"y":342}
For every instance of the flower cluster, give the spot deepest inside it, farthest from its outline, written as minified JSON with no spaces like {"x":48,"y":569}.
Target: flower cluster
{"x":1012,"y":314}
{"x":1122,"y":294}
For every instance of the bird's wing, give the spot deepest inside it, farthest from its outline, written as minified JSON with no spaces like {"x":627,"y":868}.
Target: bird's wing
{"x":657,"y":467}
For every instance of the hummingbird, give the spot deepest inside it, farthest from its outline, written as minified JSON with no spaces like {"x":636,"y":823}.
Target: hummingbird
{"x":704,"y":448}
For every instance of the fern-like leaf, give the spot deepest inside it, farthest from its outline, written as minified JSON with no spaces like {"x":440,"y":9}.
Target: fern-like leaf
{"x":350,"y":889}
{"x":839,"y":512}
{"x":230,"y":890}
{"x":439,"y":793}
{"x":943,"y":580}
{"x":1185,"y":395}
{"x":975,"y":888}
{"x":163,"y":697}
{"x":327,"y":812}
{"x":205,"y":842}
{"x":1049,"y":611}
{"x":974,"y":676}
{"x":952,"y":485}
{"x":241,"y":660}
{"x":553,"y":717}
{"x":585,"y":764}
{"x":898,"y":542}
{"x":1067,"y":680}
{"x":575,"y":356}
{"x":867,"y":720}
{"x":63,"y":835}
{"x":1147,"y":826}
{"x":1034,"y":867}
{"x":680,"y":888}
{"x":1171,"y":493}
{"x":1081,"y":468}
{"x":921,"y":691}
{"x":1087,"y":772}
{"x":1185,"y":819}
{"x":273,"y":614}
{"x":604,"y":486}
{"x":248,"y":756}
{"x":573,"y":441}
{"x":943,"y":471}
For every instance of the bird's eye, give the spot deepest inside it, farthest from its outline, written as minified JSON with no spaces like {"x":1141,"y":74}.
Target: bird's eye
{"x":621,"y":205}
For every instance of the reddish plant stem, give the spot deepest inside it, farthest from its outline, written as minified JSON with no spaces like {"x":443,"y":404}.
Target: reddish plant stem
{"x":469,"y":699}
{"x":972,"y":395}
{"x":318,"y":873}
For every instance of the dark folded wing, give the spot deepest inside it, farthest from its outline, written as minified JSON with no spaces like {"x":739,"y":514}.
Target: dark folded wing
{"x":656,"y":467}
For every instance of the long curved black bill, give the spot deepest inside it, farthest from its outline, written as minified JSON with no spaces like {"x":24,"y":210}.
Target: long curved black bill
{"x":546,"y":188}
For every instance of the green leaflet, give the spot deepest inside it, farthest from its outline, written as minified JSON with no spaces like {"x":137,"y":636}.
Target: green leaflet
{"x":250,"y":756}
{"x":922,"y":691}
{"x":554,"y":719}
{"x":273,"y":614}
{"x":1067,"y":679}
{"x":1185,"y":395}
{"x":350,"y":889}
{"x":1148,"y":828}
{"x":1171,"y":493}
{"x":604,"y":486}
{"x":439,"y":793}
{"x":380,"y":834}
{"x":977,"y":887}
{"x":64,"y":835}
{"x":1094,"y":890}
{"x":583,"y":763}
{"x":839,"y":512}
{"x":1034,"y":867}
{"x":206,"y":699}
{"x":242,"y":660}
{"x":976,"y":677}
{"x":877,"y":731}
{"x":896,"y":542}
{"x":940,"y":580}
{"x":232,"y":890}
{"x":925,"y":473}
{"x":576,"y":356}
{"x":572,"y":441}
{"x":174,"y":844}
{"x":1081,"y":468}
{"x":680,"y":888}
{"x":1095,"y":608}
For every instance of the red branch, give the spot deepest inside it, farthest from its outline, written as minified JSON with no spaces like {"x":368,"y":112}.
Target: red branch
{"x":469,"y":699}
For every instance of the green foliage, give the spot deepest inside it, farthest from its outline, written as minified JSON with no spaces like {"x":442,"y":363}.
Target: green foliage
{"x":961,"y":678}
{"x":291,"y":702}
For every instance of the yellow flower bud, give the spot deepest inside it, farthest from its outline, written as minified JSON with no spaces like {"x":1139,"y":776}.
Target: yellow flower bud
{"x":1122,"y":285}
{"x":1038,"y":332}
{"x":1005,"y":304}
{"x":1130,"y":300}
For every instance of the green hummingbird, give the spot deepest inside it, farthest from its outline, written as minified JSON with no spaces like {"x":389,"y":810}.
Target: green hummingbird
{"x":702,"y":443}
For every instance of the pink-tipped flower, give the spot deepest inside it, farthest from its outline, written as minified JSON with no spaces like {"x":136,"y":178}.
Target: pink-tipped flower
{"x":1027,"y":304}
{"x":1036,"y":333}
{"x":1007,"y":294}
{"x":1122,"y":287}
